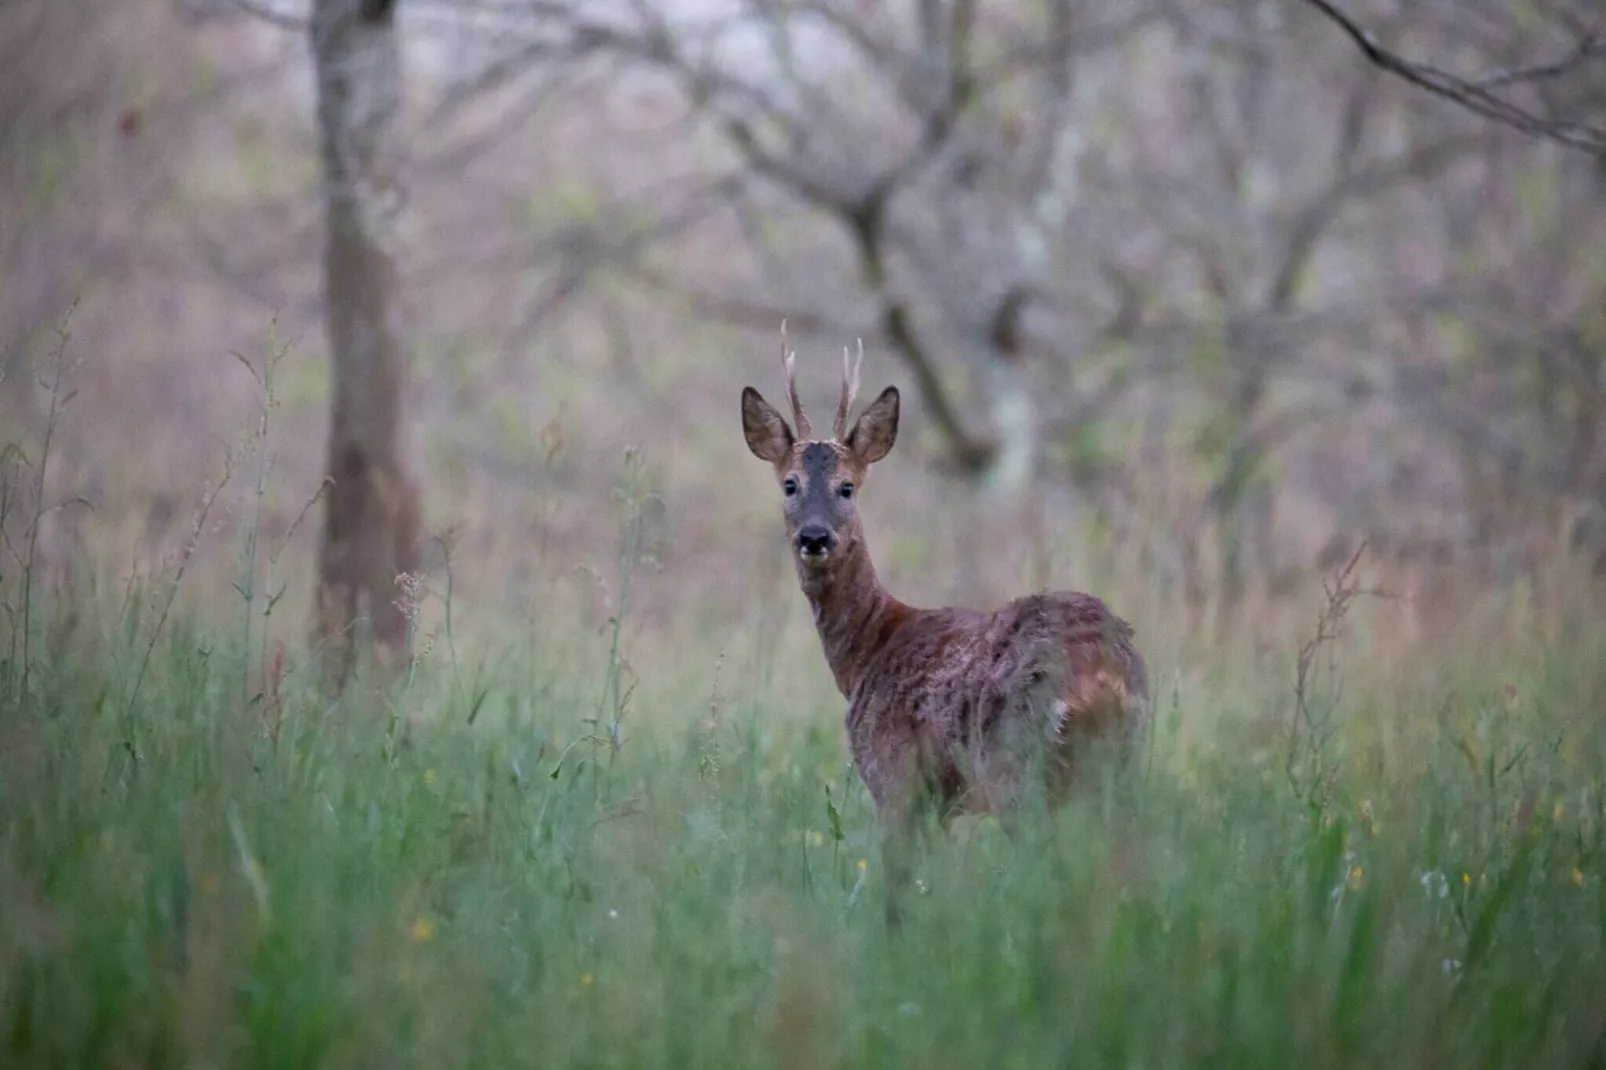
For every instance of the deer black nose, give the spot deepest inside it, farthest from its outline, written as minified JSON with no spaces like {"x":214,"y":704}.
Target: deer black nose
{"x":814,"y":539}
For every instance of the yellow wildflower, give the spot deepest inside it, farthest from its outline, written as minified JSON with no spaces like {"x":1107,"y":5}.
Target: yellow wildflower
{"x":423,"y":930}
{"x":1578,"y":876}
{"x":1356,"y":876}
{"x":1557,"y":812}
{"x":864,"y":864}
{"x":587,"y":980}
{"x":1367,"y":819}
{"x":816,"y":838}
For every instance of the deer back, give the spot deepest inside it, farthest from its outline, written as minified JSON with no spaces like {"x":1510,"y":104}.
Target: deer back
{"x":961,"y":702}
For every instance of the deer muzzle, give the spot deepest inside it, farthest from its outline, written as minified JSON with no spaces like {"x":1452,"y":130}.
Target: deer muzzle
{"x":815,"y":542}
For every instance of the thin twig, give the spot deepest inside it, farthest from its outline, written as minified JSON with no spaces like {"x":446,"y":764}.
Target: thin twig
{"x":1477,"y":94}
{"x":196,"y":531}
{"x":1312,"y":784}
{"x":56,"y":404}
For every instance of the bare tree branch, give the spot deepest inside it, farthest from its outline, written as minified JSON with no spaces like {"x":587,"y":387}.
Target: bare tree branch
{"x":272,"y":14}
{"x":1351,"y":184}
{"x":1478,"y":95}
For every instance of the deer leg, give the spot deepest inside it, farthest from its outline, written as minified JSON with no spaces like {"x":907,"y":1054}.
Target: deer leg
{"x":898,"y":834}
{"x":900,"y":817}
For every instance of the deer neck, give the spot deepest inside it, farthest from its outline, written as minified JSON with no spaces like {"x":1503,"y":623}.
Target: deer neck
{"x":853,"y":613}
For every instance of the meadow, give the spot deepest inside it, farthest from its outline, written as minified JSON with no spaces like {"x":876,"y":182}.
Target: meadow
{"x":536,"y":852}
{"x":602,"y":814}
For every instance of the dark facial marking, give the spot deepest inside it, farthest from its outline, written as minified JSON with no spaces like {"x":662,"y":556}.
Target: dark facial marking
{"x":821,"y":503}
{"x":819,"y":463}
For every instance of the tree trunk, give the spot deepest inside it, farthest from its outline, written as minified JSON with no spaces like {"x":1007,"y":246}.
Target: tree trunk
{"x":370,"y":536}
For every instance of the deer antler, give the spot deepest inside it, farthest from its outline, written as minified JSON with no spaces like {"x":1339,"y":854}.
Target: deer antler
{"x":850,"y":390}
{"x":788,"y":359}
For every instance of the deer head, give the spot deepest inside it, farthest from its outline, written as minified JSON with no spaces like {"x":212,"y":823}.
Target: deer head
{"x":820,"y":478}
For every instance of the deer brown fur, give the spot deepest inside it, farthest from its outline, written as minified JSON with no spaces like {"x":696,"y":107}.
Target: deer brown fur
{"x":962,"y":708}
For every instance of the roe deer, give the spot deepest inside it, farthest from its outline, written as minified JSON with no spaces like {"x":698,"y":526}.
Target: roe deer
{"x":957,"y":707}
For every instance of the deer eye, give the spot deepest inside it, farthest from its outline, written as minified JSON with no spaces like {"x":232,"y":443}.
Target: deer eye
{"x":845,"y":490}
{"x":789,"y":488}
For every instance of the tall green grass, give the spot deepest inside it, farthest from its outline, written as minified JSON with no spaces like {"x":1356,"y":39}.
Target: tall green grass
{"x":548,"y":856}
{"x":193,"y":877}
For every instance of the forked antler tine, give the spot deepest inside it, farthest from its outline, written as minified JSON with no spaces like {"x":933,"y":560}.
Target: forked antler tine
{"x":850,"y":389}
{"x":788,"y":361}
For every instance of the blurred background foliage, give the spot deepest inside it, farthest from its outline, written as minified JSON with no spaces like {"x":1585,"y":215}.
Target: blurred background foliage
{"x":1185,"y":297}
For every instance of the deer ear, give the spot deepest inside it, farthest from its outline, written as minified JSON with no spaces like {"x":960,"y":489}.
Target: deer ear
{"x":767,"y":434}
{"x":877,"y":428}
